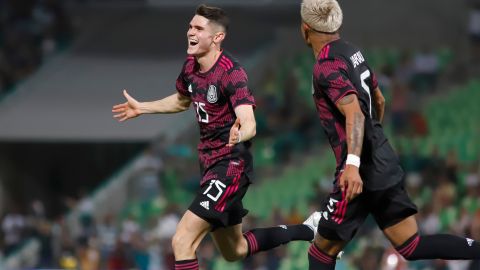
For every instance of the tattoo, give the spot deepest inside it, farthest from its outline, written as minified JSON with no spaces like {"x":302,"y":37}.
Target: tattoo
{"x":347,"y":100}
{"x":355,"y":140}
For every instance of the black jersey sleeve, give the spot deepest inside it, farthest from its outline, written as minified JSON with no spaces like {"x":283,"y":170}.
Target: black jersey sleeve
{"x":332,"y":75}
{"x":236,"y":88}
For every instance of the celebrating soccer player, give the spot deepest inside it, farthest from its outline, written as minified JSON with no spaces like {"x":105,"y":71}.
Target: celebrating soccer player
{"x":217,"y":86}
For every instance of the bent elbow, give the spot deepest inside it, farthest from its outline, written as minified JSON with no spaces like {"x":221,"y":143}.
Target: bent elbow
{"x":380,"y":101}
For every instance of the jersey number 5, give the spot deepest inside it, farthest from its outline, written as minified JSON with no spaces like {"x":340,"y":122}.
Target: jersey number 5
{"x":201,"y":113}
{"x":363,"y":77}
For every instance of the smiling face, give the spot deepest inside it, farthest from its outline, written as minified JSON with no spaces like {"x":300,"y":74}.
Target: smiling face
{"x":203,"y":36}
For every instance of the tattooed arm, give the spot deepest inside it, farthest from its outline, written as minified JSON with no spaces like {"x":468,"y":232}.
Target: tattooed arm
{"x":354,"y":126}
{"x":354,"y":123}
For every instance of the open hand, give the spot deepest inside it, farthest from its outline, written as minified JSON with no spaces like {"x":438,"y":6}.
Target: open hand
{"x":235,"y":135}
{"x":127,"y":110}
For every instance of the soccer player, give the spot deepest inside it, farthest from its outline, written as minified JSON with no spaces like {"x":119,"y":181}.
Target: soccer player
{"x":368,"y":177}
{"x":217,"y":86}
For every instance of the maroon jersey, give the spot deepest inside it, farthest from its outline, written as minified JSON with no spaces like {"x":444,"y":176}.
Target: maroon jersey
{"x":341,"y":70}
{"x":215,"y":94}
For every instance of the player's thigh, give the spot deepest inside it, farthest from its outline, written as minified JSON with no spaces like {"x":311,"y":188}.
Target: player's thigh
{"x":219,"y":199}
{"x":190,"y":231}
{"x":394,"y":213}
{"x":399,"y":233}
{"x":230,"y":242}
{"x":341,"y":219}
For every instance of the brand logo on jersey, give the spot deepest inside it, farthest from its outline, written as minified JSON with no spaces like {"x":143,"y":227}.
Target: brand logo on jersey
{"x":190,"y":88}
{"x":357,"y":59}
{"x":205,"y":204}
{"x":212,"y":96}
{"x":470,"y":241}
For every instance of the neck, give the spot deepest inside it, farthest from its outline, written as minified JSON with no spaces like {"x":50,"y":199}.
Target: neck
{"x":207,"y":60}
{"x":319,"y":41}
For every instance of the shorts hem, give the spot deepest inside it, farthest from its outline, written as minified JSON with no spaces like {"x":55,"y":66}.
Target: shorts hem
{"x":397,"y":220}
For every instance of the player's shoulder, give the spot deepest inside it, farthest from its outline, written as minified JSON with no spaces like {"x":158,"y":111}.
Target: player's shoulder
{"x":229,"y":63}
{"x":341,"y":51}
{"x":331,"y":57}
{"x":353,"y":54}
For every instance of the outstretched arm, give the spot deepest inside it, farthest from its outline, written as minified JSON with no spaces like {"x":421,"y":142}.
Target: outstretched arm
{"x":379,"y":103}
{"x":354,"y":126}
{"x":132,"y":108}
{"x":245,"y":126}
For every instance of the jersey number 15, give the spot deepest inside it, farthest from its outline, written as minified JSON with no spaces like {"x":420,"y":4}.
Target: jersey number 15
{"x":201,"y":112}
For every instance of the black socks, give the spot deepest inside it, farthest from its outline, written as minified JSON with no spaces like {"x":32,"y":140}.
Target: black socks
{"x":186,"y":265}
{"x":319,"y":260}
{"x":268,"y":238}
{"x":439,"y":246}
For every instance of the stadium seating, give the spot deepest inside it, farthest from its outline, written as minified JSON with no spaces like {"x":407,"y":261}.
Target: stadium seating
{"x":450,"y":124}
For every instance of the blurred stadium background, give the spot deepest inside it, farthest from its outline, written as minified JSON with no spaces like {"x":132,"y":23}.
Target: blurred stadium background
{"x":80,"y":191}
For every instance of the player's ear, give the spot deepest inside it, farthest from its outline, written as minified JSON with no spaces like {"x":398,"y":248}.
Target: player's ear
{"x":219,"y":37}
{"x":305,"y":29}
{"x":305,"y":26}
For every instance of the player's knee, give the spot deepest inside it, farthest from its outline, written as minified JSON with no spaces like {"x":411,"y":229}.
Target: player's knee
{"x":180,"y":244}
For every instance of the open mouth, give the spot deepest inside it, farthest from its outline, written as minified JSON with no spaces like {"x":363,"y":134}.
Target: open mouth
{"x":192,"y":43}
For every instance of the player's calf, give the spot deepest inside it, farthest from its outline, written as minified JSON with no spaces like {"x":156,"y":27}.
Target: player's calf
{"x":233,"y":257}
{"x":268,"y":238}
{"x":236,"y":254}
{"x":439,"y":246}
{"x":320,"y":260}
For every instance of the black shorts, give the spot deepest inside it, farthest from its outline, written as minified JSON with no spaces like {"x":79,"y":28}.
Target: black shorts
{"x":219,"y":199}
{"x":340,"y":221}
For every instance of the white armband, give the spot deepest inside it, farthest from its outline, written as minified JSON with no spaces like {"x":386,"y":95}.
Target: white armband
{"x":353,"y":160}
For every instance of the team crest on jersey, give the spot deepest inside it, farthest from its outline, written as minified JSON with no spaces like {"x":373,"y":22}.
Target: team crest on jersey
{"x":212,"y":95}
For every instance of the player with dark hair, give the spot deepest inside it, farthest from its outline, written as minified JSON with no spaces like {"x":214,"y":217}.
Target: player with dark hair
{"x":216,"y":84}
{"x":368,"y":177}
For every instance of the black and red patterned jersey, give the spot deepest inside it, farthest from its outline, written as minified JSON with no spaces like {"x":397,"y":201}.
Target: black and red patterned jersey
{"x":215,"y":94}
{"x":341,"y":70}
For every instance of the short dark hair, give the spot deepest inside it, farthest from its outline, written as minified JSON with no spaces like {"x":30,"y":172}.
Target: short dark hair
{"x":214,"y":14}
